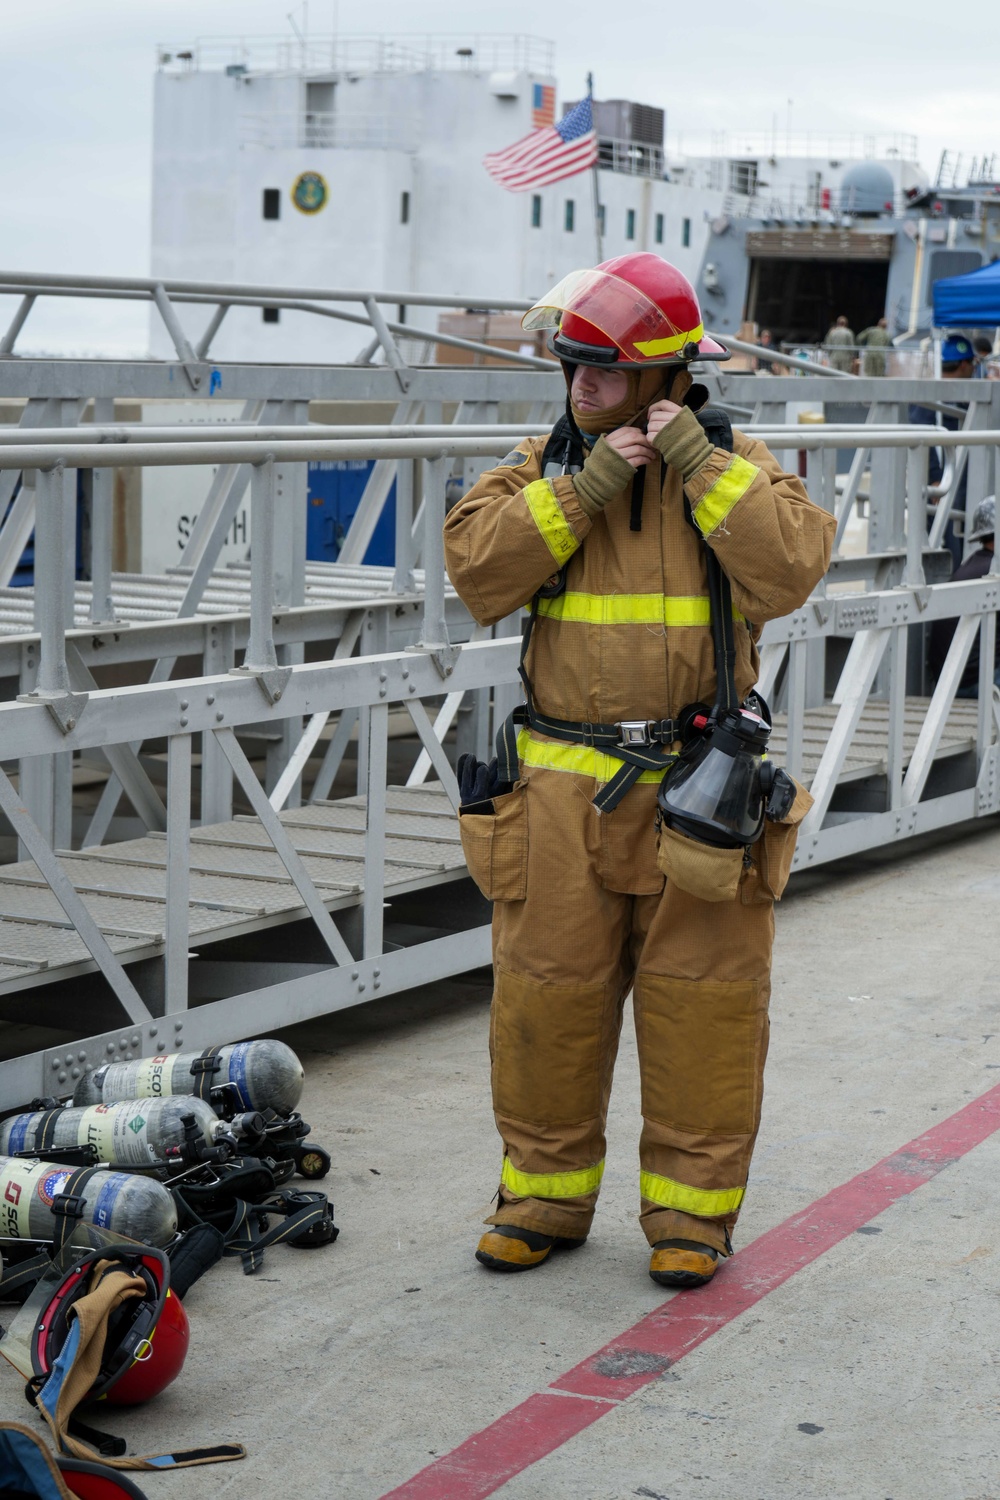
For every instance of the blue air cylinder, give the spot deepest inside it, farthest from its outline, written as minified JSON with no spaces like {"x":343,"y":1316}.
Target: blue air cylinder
{"x":260,"y":1075}
{"x":139,"y":1207}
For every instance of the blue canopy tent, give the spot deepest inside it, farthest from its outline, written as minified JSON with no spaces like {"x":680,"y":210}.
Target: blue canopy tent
{"x":970,"y":301}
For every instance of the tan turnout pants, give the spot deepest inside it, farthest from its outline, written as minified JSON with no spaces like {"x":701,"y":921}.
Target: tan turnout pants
{"x":565,"y":957}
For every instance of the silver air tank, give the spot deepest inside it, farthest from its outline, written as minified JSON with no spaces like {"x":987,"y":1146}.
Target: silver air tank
{"x":138,"y":1133}
{"x":260,"y":1075}
{"x":138,"y":1207}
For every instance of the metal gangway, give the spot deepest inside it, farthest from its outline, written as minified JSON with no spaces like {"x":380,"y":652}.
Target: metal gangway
{"x":210,"y":924}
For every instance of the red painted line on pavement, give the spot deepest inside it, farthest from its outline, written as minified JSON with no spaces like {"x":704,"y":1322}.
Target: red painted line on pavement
{"x":542,"y":1423}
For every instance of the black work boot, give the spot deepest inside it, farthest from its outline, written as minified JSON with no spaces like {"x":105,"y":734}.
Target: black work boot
{"x":507,"y":1247}
{"x":682,"y":1263}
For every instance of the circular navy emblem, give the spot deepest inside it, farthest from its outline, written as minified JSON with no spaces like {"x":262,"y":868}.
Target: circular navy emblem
{"x":309,"y":192}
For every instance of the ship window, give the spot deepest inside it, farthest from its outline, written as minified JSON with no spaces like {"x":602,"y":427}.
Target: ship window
{"x":601,"y":216}
{"x":271,"y":314}
{"x":401,"y":313}
{"x":686,"y":233}
{"x":659,"y":229}
{"x":536,"y":211}
{"x":569,"y":218}
{"x":272,"y":203}
{"x":743,"y":177}
{"x":630,"y":223}
{"x":404,"y":208}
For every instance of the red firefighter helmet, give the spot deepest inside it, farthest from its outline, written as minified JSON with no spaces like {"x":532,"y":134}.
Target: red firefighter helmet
{"x":147,"y":1335}
{"x":634,"y":311}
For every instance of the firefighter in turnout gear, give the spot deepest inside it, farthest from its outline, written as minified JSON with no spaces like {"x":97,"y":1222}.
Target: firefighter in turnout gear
{"x":610,"y":531}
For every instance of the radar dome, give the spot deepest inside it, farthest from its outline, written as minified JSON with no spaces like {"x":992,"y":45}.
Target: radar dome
{"x":867,"y":190}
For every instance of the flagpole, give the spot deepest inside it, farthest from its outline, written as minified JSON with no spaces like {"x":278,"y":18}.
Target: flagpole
{"x":597,"y":188}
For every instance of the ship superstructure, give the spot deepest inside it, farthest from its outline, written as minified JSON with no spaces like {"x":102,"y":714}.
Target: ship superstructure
{"x":866,"y":243}
{"x":358,"y":162}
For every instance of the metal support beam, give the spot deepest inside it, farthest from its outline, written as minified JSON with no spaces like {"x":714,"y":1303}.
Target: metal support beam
{"x":17,"y":322}
{"x":283,"y":846}
{"x":175,"y":955}
{"x":63,"y":890}
{"x":102,"y":490}
{"x":178,"y":337}
{"x":214,"y":324}
{"x":376,"y":766}
{"x":389,"y":346}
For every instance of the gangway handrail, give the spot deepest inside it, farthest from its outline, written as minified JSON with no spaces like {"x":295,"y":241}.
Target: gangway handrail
{"x":783,"y":436}
{"x":52,"y":282}
{"x":96,"y":455}
{"x":163,"y":292}
{"x":241,"y":431}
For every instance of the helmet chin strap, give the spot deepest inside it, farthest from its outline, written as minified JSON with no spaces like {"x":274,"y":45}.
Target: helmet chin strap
{"x":634,"y":417}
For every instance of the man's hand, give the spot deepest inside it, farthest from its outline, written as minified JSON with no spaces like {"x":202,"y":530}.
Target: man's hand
{"x":659,"y":415}
{"x":632,"y":445}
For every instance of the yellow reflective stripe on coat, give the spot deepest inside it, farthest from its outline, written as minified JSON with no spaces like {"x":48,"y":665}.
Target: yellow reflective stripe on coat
{"x":547,"y":514}
{"x":653,"y":348}
{"x":707,"y":1203}
{"x":552,"y":1184}
{"x":580,"y":760}
{"x":719,"y":499}
{"x":629,"y":609}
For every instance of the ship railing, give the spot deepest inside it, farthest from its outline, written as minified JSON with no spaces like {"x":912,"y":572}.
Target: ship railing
{"x":633,"y":158}
{"x":837,"y":147}
{"x":868,"y":637}
{"x":329,"y":55}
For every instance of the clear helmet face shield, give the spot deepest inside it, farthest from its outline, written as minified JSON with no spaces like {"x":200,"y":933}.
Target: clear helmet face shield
{"x":638,"y":327}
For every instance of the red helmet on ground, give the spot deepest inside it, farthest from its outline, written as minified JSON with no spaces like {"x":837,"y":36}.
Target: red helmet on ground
{"x":635,"y":311}
{"x":147,"y":1334}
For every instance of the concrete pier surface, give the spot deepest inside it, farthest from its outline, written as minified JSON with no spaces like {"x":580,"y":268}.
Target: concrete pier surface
{"x":870,"y":1373}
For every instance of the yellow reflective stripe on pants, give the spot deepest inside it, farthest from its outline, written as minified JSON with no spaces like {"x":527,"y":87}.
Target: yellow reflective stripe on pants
{"x":629,"y":609}
{"x":581,"y":760}
{"x":547,"y":514}
{"x":707,"y":1203}
{"x":552,"y":1184}
{"x":717,"y":501}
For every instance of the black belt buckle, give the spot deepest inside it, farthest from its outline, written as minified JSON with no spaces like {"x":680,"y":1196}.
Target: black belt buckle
{"x":634,"y":734}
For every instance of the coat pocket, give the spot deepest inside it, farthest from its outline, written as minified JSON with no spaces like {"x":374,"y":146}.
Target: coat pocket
{"x":775,"y":848}
{"x":702,"y":870}
{"x":495,"y":845}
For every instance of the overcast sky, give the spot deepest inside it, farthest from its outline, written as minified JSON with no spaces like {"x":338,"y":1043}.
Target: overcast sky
{"x":76,"y":97}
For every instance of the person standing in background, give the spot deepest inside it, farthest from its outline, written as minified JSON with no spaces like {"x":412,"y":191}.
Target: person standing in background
{"x":875,"y":340}
{"x":839,"y":345}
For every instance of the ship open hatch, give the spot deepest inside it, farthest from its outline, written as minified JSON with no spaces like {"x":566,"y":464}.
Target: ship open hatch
{"x":798,"y":299}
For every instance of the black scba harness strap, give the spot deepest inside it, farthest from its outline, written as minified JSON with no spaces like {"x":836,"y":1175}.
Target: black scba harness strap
{"x":640,"y":744}
{"x":240,"y":1202}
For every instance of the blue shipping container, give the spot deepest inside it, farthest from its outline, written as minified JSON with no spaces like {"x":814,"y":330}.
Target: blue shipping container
{"x":334,"y":494}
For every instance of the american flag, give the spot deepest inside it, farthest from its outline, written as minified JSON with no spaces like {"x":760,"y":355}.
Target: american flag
{"x":543,"y":104}
{"x":547,"y":155}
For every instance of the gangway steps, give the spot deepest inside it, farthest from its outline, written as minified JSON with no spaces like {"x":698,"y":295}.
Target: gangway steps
{"x":238,"y":884}
{"x":142,"y":597}
{"x":869,"y":749}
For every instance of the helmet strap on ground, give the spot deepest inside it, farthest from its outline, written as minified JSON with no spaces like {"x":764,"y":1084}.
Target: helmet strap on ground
{"x":72,"y":1376}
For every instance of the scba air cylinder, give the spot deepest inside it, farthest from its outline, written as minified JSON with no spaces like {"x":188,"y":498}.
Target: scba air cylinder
{"x":138,"y":1133}
{"x":259,"y":1075}
{"x":138,"y":1207}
